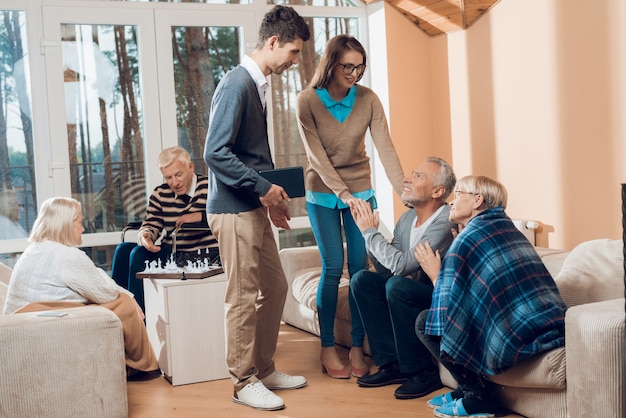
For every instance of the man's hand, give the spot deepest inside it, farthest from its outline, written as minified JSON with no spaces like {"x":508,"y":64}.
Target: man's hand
{"x":362,"y":213}
{"x":429,"y":260}
{"x":189,"y":218}
{"x":279,"y":215}
{"x":274,"y":196}
{"x":146,"y":241}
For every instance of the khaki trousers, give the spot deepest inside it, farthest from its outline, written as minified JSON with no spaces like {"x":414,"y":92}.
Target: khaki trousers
{"x":255,"y":294}
{"x":139,"y":353}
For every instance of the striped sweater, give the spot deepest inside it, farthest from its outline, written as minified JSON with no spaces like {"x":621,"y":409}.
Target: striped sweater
{"x":164,"y":208}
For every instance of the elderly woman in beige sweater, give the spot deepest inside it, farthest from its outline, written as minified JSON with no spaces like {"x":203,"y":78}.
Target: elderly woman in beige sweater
{"x":53,"y":274}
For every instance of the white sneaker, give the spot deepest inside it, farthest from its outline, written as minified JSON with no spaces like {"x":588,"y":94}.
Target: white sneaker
{"x":278,"y":380}
{"x":256,"y":395}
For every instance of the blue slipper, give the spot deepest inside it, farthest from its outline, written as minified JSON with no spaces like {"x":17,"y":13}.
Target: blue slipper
{"x":455,"y":409}
{"x":440,"y":400}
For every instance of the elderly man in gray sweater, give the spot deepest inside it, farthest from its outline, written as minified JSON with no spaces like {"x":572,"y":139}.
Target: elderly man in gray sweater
{"x":390,"y":299}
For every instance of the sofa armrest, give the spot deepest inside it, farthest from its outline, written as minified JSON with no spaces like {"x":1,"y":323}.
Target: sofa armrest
{"x":294,"y":260}
{"x":595,"y":359}
{"x":69,"y":366}
{"x":299,"y":258}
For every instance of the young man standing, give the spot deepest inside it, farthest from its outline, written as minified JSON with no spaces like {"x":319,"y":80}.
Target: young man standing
{"x":236,"y":149}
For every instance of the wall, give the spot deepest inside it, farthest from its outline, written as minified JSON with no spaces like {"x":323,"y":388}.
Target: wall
{"x":410,"y":77}
{"x":411,"y":119}
{"x":533,"y":94}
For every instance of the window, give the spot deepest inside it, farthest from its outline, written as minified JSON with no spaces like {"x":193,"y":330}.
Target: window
{"x":18,"y":191}
{"x":103,"y":110}
{"x":201,"y":56}
{"x":117,"y":81}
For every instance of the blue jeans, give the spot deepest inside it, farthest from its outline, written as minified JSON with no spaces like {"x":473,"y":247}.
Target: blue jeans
{"x":389,"y":308}
{"x":130,"y":259}
{"x":326,"y":224}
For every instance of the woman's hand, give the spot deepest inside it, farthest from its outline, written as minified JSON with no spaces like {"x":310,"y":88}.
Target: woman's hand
{"x":429,"y":260}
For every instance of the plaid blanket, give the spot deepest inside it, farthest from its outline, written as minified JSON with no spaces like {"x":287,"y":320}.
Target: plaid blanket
{"x":494,"y":303}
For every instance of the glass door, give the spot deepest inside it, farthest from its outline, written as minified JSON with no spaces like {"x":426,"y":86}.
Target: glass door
{"x":103,"y":99}
{"x":123,"y":86}
{"x":18,"y":182}
{"x":201,"y":48}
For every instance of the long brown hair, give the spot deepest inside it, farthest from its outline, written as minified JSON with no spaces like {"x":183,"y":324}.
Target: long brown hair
{"x":335,"y":48}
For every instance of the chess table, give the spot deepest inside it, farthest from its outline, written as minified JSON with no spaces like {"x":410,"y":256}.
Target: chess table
{"x":185,"y":324}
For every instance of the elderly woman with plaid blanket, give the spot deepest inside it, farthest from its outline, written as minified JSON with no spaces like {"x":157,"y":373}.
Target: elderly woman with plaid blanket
{"x":494,"y":303}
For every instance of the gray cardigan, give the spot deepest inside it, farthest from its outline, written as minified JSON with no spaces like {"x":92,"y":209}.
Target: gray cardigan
{"x":237,"y":145}
{"x":396,"y":258}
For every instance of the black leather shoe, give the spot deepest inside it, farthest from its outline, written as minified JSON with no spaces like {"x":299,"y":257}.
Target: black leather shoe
{"x":386,"y":375}
{"x":133,"y":375}
{"x":419,"y":385}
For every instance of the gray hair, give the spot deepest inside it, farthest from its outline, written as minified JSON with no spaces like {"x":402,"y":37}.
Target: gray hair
{"x":446,"y":177}
{"x":169,"y":155}
{"x":494,"y":193}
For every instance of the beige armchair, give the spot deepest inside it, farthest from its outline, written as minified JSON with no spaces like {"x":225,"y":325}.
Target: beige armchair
{"x":59,"y":367}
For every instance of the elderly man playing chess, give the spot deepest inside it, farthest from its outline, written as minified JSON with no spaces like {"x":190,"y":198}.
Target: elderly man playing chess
{"x":180,"y":200}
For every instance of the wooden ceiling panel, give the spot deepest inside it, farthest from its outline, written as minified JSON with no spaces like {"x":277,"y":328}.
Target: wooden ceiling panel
{"x":436,"y":12}
{"x":436,"y":17}
{"x":447,"y":23}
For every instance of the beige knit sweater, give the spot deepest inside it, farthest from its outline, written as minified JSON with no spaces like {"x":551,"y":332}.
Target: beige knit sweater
{"x":337,"y":161}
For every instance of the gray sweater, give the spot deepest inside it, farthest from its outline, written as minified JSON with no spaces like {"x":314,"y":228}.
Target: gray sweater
{"x":237,"y":145}
{"x":396,"y":258}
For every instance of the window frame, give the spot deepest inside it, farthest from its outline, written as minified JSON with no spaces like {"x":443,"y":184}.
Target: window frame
{"x":51,"y":157}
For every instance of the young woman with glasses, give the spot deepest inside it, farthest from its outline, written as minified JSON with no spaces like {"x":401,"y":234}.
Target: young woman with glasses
{"x":334,"y":114}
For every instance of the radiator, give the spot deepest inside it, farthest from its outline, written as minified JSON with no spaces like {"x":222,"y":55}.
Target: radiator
{"x":527,"y":228}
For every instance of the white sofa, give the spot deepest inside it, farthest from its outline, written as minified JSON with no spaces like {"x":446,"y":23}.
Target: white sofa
{"x":59,"y":367}
{"x":589,"y":384}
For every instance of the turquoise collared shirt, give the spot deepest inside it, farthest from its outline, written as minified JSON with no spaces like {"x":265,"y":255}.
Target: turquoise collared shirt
{"x":340,"y":111}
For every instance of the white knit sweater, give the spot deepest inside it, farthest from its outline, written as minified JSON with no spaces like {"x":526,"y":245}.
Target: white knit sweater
{"x":52,"y":272}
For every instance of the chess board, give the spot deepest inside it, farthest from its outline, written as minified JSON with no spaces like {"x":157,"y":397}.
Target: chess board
{"x":199,"y":268}
{"x":180,"y":274}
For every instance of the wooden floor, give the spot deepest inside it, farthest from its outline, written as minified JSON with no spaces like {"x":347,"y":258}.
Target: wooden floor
{"x":297,"y":353}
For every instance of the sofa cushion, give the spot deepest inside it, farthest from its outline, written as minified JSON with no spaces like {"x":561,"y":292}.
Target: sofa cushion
{"x":304,"y":290}
{"x":545,"y":370}
{"x":592,"y":272}
{"x":553,"y":259}
{"x":304,"y":287}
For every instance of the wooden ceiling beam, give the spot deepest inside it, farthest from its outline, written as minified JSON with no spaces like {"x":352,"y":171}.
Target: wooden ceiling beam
{"x":436,"y":17}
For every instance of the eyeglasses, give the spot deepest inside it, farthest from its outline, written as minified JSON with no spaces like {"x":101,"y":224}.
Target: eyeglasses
{"x":349,"y":68}
{"x":460,"y":192}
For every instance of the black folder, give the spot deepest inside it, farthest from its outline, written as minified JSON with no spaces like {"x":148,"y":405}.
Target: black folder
{"x":289,"y":178}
